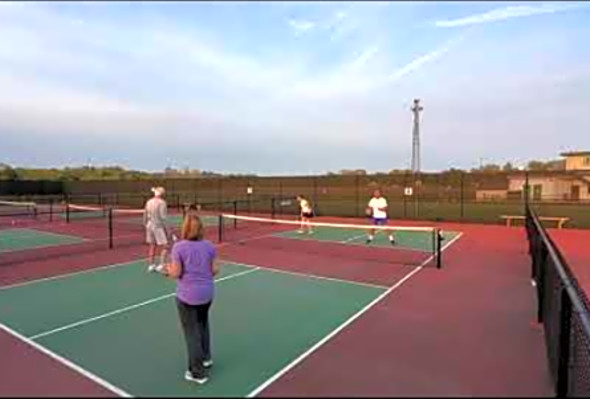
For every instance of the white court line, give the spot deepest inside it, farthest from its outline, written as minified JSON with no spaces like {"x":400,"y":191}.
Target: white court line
{"x":67,"y":275}
{"x":30,"y":232}
{"x":68,"y":363}
{"x":313,"y":276}
{"x":345,"y":324}
{"x":126,"y":309}
{"x":353,"y":238}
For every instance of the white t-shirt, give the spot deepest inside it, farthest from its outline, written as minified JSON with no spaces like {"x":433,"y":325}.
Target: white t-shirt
{"x":305,"y":208}
{"x":375,"y":204}
{"x":155,"y":213}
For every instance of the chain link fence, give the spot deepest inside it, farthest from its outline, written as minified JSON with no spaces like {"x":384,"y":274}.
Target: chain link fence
{"x":480,"y":197}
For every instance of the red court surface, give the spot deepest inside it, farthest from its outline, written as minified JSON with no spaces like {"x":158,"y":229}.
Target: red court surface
{"x":465,"y":330}
{"x":574,"y":245}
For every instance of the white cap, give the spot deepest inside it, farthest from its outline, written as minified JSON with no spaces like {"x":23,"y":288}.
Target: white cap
{"x":158,"y":191}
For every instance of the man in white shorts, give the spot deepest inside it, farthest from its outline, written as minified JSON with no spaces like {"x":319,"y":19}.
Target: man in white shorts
{"x":377,"y":208}
{"x":154,"y":220}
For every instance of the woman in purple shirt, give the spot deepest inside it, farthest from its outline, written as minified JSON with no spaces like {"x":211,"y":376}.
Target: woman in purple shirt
{"x":193,"y":264}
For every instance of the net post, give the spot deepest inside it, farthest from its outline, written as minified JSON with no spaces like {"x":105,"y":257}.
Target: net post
{"x":51,"y":209}
{"x":235,"y":203}
{"x":564,"y":345}
{"x":67,"y":212}
{"x":110,"y":224}
{"x":272,"y":207}
{"x":220,"y":228}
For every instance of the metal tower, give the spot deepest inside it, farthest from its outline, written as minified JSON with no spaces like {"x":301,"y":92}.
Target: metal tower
{"x":416,"y":136}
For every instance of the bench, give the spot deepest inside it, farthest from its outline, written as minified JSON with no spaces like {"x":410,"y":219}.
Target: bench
{"x":560,"y":220}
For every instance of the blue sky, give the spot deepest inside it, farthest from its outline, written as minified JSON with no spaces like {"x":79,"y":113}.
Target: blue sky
{"x":291,"y":88}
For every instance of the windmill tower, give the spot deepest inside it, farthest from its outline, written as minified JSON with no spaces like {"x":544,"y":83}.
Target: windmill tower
{"x":416,"y":137}
{"x":416,"y":155}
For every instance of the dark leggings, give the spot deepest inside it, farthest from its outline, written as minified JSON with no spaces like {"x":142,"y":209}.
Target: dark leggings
{"x":195,"y":325}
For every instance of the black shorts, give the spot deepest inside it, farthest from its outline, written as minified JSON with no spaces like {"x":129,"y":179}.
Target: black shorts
{"x":307,"y":215}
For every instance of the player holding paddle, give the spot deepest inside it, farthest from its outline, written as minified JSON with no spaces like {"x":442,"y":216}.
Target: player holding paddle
{"x":306,"y":214}
{"x":154,"y":220}
{"x":377,"y":209}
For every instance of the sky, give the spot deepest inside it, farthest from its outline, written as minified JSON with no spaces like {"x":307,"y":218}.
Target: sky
{"x":277,"y":88}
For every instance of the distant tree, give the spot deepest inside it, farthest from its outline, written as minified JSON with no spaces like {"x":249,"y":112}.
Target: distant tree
{"x":508,"y":167}
{"x":357,"y":172}
{"x":399,"y":171}
{"x":7,"y":172}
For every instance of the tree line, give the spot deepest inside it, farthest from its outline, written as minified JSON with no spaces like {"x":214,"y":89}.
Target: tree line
{"x":119,"y":173}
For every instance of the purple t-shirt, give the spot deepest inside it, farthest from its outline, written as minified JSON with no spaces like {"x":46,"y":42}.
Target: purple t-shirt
{"x":195,"y":285}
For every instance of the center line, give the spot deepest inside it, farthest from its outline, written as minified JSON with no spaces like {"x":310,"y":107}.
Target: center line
{"x":127,"y":308}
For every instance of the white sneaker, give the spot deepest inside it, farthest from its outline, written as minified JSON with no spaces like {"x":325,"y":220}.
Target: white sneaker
{"x":208,"y":363}
{"x":189,"y":377}
{"x":151,"y":268}
{"x":300,"y":231}
{"x":160,"y":268}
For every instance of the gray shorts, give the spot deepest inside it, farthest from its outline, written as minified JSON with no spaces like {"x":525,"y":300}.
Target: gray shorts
{"x":156,"y":235}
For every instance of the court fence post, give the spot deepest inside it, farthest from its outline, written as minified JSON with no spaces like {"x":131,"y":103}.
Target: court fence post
{"x":462,"y":195}
{"x":67,"y":212}
{"x":220,"y":229}
{"x":272,"y":207}
{"x":564,"y":345}
{"x":51,"y":209}
{"x":315,"y":204}
{"x":526,"y":190}
{"x":439,"y":239}
{"x":357,"y":195}
{"x":110,"y":226}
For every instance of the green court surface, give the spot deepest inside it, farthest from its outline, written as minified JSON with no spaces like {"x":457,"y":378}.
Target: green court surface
{"x":121,"y":324}
{"x":405,"y":239}
{"x":21,"y":239}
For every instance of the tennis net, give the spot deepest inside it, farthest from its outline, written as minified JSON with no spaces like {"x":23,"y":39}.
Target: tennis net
{"x":413,"y":246}
{"x":18,"y":208}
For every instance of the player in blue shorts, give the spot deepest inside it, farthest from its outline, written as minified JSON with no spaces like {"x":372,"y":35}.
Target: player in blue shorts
{"x":377,"y":208}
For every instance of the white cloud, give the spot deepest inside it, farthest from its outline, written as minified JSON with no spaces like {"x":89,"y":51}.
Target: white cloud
{"x":507,"y":12}
{"x":301,"y":26}
{"x":364,"y":57}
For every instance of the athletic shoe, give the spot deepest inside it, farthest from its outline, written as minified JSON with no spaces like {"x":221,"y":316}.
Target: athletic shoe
{"x":152,"y":268}
{"x":392,"y":241}
{"x":189,"y":377}
{"x":300,"y":231}
{"x":160,"y":268}
{"x":208,"y":363}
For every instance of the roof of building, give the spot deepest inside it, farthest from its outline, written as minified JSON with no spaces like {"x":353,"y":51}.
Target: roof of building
{"x":575,"y":153}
